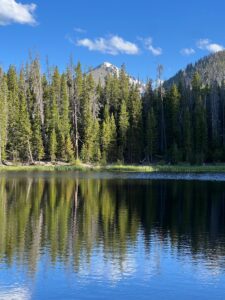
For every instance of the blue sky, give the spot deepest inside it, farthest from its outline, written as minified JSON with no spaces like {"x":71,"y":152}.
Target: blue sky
{"x":141,"y":34}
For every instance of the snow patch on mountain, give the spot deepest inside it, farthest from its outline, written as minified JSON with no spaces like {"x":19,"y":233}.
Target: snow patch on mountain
{"x":102,"y":71}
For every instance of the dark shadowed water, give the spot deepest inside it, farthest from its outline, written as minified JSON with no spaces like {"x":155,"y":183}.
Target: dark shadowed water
{"x":95,"y":236}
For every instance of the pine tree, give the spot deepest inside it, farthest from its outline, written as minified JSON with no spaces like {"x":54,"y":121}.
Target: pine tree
{"x":124,"y":85}
{"x":56,"y":86}
{"x":75,"y":83}
{"x":24,"y":125}
{"x":13,"y":108}
{"x":54,"y":134}
{"x":148,"y":99}
{"x":113,"y":142}
{"x":161,"y":112}
{"x":123,"y":130}
{"x":212,"y":95}
{"x":106,"y":134}
{"x":64,"y":107}
{"x":47,"y":112}
{"x":37,"y":142}
{"x":53,"y":145}
{"x":36,"y":89}
{"x":88,"y":119}
{"x":187,"y":136}
{"x":3,"y":117}
{"x":69,"y":153}
{"x":57,"y":138}
{"x":151,"y":135}
{"x":135,"y":129}
{"x":172,"y":109}
{"x":96,"y":141}
{"x":149,"y":116}
{"x":112,"y":94}
{"x":65,"y":150}
{"x":35,"y":104}
{"x":108,"y":137}
{"x":200,"y":125}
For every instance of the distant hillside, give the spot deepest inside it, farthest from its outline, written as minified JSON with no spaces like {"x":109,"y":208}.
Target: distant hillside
{"x":102,"y":71}
{"x":211,"y":68}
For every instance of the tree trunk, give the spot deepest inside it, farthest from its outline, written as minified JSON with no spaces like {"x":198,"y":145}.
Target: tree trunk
{"x":76,"y":132}
{"x":30,"y":152}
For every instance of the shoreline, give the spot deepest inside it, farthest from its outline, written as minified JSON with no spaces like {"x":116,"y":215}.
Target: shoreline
{"x":153,"y":169}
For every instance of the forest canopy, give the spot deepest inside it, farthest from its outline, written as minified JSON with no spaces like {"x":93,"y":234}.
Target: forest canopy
{"x":55,"y":116}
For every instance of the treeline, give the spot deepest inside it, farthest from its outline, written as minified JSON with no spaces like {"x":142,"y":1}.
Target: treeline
{"x":67,"y":117}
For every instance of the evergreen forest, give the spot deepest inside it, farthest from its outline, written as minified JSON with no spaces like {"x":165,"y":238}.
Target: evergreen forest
{"x":56,"y":116}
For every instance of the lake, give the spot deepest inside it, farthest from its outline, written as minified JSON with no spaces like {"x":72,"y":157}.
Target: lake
{"x":106,"y":236}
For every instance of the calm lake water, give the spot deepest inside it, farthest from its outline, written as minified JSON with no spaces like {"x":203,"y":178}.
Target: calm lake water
{"x":97,"y":236}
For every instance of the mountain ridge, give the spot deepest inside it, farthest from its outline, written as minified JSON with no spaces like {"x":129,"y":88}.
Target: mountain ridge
{"x":211,"y":68}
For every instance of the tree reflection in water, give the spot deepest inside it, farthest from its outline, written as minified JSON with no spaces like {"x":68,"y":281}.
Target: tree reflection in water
{"x":70,"y":219}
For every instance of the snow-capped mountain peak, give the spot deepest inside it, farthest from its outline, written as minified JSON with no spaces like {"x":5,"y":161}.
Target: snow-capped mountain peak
{"x":107,"y":64}
{"x":106,"y":68}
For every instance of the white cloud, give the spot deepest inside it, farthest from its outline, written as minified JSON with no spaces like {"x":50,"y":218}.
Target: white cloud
{"x":215,"y":48}
{"x":148,"y":42}
{"x":205,"y":44}
{"x":113,"y":45}
{"x":20,"y":293}
{"x":79,"y":30}
{"x":13,"y":12}
{"x":202,"y":43}
{"x":187,"y":51}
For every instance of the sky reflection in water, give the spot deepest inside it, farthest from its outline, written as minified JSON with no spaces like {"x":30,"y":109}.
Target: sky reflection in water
{"x":72,"y":236}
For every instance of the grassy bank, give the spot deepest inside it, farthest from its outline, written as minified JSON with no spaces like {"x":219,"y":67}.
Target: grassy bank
{"x":216,"y":168}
